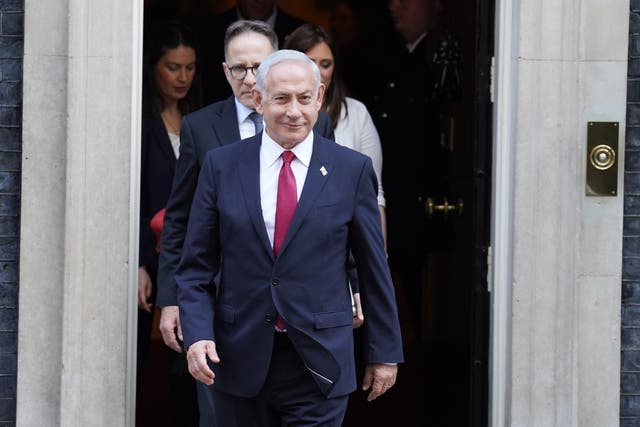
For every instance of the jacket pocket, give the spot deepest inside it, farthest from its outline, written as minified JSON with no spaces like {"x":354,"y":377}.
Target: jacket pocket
{"x":334,"y":319}
{"x":226,"y":313}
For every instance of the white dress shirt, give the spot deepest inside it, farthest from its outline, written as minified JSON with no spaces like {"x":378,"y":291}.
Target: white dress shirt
{"x":357,"y":131}
{"x":174,"y":139}
{"x":270,"y":165}
{"x":245,"y":124}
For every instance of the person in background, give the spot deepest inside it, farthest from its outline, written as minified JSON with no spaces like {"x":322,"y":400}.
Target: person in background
{"x":406,"y":101}
{"x":353,"y":126}
{"x":211,"y":32}
{"x":171,"y":90}
{"x":247,"y":43}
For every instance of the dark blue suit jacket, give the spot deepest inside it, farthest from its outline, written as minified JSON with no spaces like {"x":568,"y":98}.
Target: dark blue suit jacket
{"x":158,"y":163}
{"x":208,"y":128}
{"x":306,"y":284}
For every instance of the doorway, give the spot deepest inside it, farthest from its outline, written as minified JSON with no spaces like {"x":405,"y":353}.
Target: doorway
{"x":444,"y":381}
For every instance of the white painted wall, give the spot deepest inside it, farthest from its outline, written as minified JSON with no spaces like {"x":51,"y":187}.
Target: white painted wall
{"x":567,"y":63}
{"x":78,"y":258}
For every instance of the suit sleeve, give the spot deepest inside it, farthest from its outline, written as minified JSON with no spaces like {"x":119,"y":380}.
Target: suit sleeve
{"x":176,"y":217}
{"x":324,"y":126}
{"x":382,"y":339}
{"x":200,"y":261}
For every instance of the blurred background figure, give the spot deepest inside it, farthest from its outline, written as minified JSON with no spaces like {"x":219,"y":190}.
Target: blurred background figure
{"x":409,"y":91}
{"x":343,"y":23}
{"x":171,"y":90}
{"x":211,"y":32}
{"x":361,"y":30}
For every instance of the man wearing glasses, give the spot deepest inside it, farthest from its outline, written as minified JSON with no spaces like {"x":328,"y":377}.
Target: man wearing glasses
{"x":246,"y":44}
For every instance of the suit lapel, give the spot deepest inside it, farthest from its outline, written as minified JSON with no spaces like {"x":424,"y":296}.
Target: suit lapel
{"x":225,"y":123}
{"x":319,"y":171}
{"x":164,"y":143}
{"x":249,"y":166}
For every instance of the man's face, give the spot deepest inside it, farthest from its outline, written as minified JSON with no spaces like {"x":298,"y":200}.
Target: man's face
{"x":246,"y":50}
{"x":291,"y":104}
{"x":255,"y":9}
{"x":410,"y":17}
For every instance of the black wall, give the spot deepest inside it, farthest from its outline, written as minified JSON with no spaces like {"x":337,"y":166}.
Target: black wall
{"x":630,"y":355}
{"x":11,"y":45}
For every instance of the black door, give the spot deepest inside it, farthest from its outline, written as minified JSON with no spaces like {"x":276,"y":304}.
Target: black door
{"x":444,"y":381}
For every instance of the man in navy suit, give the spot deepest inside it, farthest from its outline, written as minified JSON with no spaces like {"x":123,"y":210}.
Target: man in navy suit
{"x":247,"y":43}
{"x":273,"y":336}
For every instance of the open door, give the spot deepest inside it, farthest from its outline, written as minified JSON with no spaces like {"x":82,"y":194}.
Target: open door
{"x":444,"y":381}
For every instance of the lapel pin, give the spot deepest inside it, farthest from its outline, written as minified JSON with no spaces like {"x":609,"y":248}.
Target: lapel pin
{"x":323,"y":171}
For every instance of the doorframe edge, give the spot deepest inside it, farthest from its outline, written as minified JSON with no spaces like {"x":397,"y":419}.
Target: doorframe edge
{"x":502,"y":204}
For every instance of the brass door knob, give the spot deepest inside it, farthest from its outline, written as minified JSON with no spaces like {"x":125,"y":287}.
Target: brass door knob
{"x":445,"y":207}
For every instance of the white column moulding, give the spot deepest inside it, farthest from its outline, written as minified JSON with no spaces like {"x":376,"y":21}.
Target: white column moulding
{"x":557,"y":263}
{"x":79,"y":226}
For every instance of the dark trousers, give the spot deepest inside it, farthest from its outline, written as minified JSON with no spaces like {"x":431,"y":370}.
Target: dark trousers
{"x":289,"y":398}
{"x":206,"y":406}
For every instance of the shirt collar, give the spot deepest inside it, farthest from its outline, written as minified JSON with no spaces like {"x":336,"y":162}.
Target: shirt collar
{"x":242,"y":111}
{"x":412,"y":46}
{"x":272,"y":150}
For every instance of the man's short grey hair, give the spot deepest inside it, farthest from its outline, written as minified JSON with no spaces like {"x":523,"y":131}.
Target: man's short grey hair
{"x":282,"y":56}
{"x":249,"y":26}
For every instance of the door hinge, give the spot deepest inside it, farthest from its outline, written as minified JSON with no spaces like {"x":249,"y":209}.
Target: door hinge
{"x":492,"y":80}
{"x":489,"y":268}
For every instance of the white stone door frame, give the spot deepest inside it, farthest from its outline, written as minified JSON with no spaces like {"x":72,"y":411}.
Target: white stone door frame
{"x":504,"y":85}
{"x":556,"y":266}
{"x":79,"y":210}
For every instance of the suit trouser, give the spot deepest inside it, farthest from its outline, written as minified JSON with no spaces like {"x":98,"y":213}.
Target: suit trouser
{"x":206,"y":406}
{"x":289,"y":397}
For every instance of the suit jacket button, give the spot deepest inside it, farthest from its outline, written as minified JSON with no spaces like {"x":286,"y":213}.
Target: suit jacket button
{"x":275,"y":281}
{"x":268,"y":318}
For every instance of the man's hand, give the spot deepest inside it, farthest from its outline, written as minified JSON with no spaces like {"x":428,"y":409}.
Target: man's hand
{"x":144,"y":289}
{"x":197,"y":355}
{"x":170,"y":327}
{"x":358,"y":318}
{"x":379,"y":378}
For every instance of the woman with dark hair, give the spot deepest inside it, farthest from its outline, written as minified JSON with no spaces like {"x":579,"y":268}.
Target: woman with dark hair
{"x":353,"y":126}
{"x":171,"y":90}
{"x":352,"y":123}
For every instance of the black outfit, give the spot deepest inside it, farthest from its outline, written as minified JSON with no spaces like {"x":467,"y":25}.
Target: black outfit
{"x":405,"y":110}
{"x":158,"y":163}
{"x":211,"y":36}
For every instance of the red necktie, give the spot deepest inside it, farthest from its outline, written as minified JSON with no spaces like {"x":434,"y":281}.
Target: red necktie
{"x":286,"y":203}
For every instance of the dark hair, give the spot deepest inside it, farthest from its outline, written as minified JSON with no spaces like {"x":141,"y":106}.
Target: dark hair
{"x":245,"y":26}
{"x":161,"y":38}
{"x":305,"y":38}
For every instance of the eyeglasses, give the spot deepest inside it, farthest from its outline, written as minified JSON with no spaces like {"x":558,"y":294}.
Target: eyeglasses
{"x":239,"y":72}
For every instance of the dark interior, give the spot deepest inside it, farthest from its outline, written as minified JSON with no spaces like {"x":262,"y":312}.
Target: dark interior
{"x":443,"y":381}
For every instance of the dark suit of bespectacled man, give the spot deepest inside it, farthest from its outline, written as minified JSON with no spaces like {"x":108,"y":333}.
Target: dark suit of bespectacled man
{"x":276,"y":216}
{"x":217,"y":125}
